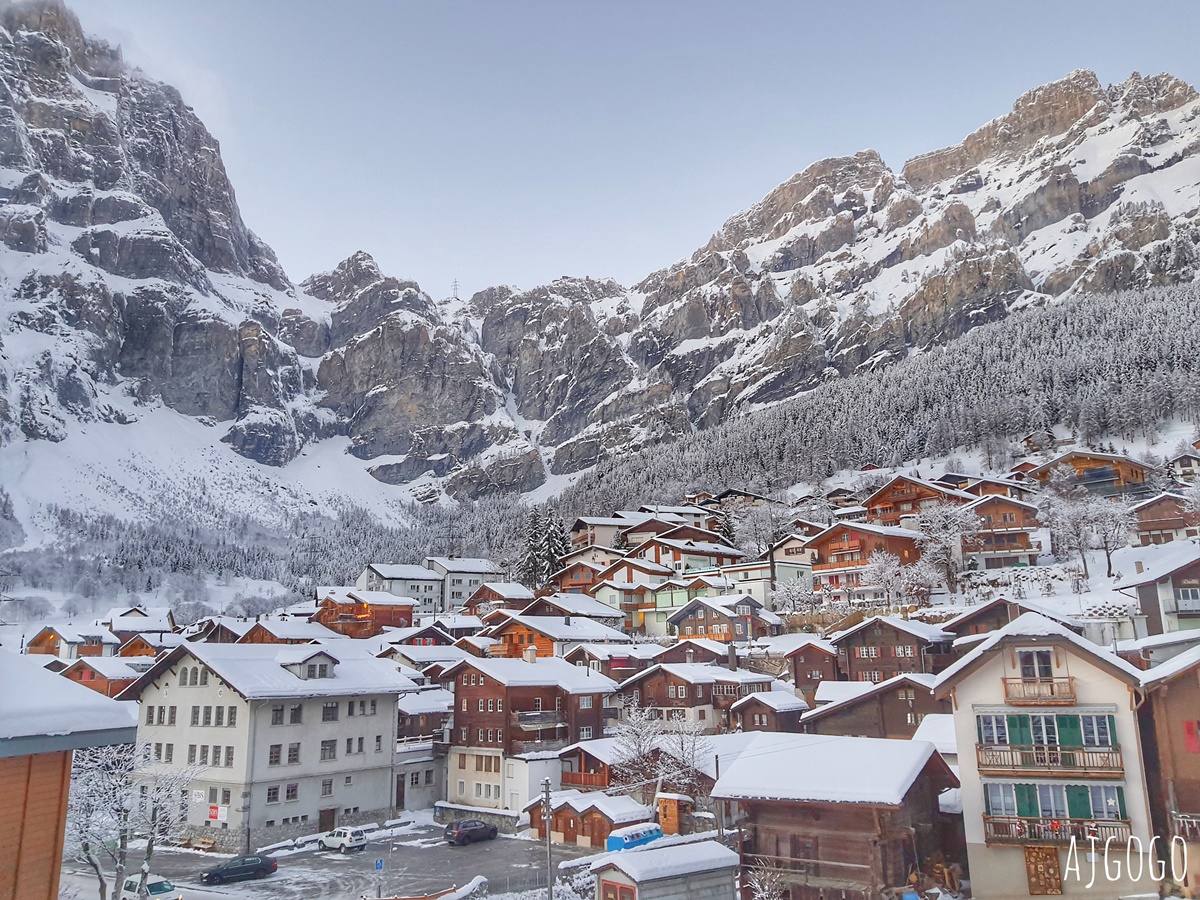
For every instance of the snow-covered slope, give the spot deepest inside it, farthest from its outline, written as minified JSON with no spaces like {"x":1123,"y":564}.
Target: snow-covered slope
{"x":152,"y":349}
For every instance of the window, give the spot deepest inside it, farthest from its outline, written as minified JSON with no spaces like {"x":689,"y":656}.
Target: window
{"x":429,"y":776}
{"x":585,"y":701}
{"x":275,"y":755}
{"x":310,"y":670}
{"x":462,"y":787}
{"x":1052,"y":801}
{"x":225,"y":796}
{"x":491,"y":705}
{"x":207,"y":715}
{"x":415,"y":779}
{"x":296,"y":714}
{"x":585,"y":732}
{"x":992,"y":729}
{"x":481,"y":734}
{"x":1107,"y":802}
{"x":158,"y":751}
{"x":273,"y":794}
{"x":464,"y":704}
{"x":292,"y":792}
{"x":478,"y":789}
{"x":203,"y":676}
{"x":1096,"y":731}
{"x":349,"y":746}
{"x":481,"y":705}
{"x":231,"y":719}
{"x":499,"y":704}
{"x":373,"y":707}
{"x":170,"y":757}
{"x":362,"y":707}
{"x":195,"y":715}
{"x":228,"y":757}
{"x":149,"y":715}
{"x":327,"y":787}
{"x":1001,"y":799}
{"x":171,"y":716}
{"x":350,"y":708}
{"x":379,"y":743}
{"x":671,"y":691}
{"x":914,"y":718}
{"x":328,"y":750}
{"x":212,"y":794}
{"x":204,"y":754}
{"x":1045,"y":729}
{"x":191,"y":754}
{"x":293,"y":754}
{"x":329,"y":712}
{"x":1035,"y":663}
{"x":219,"y":718}
{"x":683,"y":692}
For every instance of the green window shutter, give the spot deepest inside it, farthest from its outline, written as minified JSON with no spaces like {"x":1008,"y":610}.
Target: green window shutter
{"x":1019,"y":730}
{"x":1070,"y":731}
{"x":1079,"y":801}
{"x":978,"y":730}
{"x":987,"y":802}
{"x":1027,"y":801}
{"x":1112,"y":730}
{"x":1121,"y":802}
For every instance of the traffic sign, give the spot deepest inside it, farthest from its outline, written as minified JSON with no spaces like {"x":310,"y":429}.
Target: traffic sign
{"x":379,"y":865}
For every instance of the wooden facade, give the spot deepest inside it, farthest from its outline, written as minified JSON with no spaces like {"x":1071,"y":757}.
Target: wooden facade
{"x":33,"y":827}
{"x":1005,"y":534}
{"x":356,"y":617}
{"x":756,"y":715}
{"x":904,"y":496}
{"x":891,"y":710}
{"x":1163,"y":519}
{"x":811,"y":664}
{"x":1104,"y":474}
{"x":584,"y":772}
{"x":88,"y":676}
{"x":842,"y":552}
{"x":881,"y":649}
{"x":1170,"y":724}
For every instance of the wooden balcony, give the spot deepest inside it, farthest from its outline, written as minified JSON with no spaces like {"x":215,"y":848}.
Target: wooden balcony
{"x":1018,"y":830}
{"x":585,"y":780}
{"x":1186,"y":826}
{"x":841,"y":564}
{"x":1081,"y":762}
{"x":1040,"y":691}
{"x":843,"y":546}
{"x":538,"y":720}
{"x":550,"y":744}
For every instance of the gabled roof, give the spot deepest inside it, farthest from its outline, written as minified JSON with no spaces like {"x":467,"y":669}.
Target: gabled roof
{"x":78,"y":634}
{"x":819,"y":768}
{"x":882,"y":530}
{"x":645,"y":565}
{"x":260,"y":671}
{"x":1186,"y":661}
{"x":718,"y":647}
{"x":1165,"y":495}
{"x":470,"y":564}
{"x":921,"y":630}
{"x":786,"y":645}
{"x":836,"y":691}
{"x":938,"y":729}
{"x":452,"y":622}
{"x":1163,"y":561}
{"x":111,"y":667}
{"x":620,"y":810}
{"x":701,"y":673}
{"x":725,"y":605}
{"x":291,"y":630}
{"x":1032,"y":628}
{"x":654,"y":863}
{"x":943,"y":489}
{"x":547,"y":671}
{"x":405,"y":572}
{"x":1090,"y":454}
{"x":779,"y":701}
{"x":425,"y":702}
{"x":916,"y":680}
{"x":1026,"y":605}
{"x":577,"y":605}
{"x":608,"y":651}
{"x":985,"y":499}
{"x":427,"y":654}
{"x":579,"y":629}
{"x":509,"y":590}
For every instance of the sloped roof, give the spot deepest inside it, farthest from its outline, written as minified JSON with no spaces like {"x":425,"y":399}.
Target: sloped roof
{"x":650,"y":863}
{"x":112,"y":667}
{"x":931,"y":485}
{"x":918,"y":680}
{"x":580,"y":629}
{"x":918,"y":629}
{"x":547,"y":670}
{"x":290,"y":630}
{"x":509,"y":590}
{"x":578,"y":605}
{"x":433,"y":701}
{"x":702,"y":673}
{"x":780,"y":701}
{"x":78,"y":634}
{"x":836,"y":691}
{"x":938,"y":729}
{"x":1173,"y":667}
{"x":471,"y":564}
{"x":608,"y":651}
{"x":405,"y":572}
{"x":823,"y":768}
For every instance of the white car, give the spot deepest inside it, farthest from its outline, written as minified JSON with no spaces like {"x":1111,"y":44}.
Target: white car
{"x":157,"y":887}
{"x":343,"y":839}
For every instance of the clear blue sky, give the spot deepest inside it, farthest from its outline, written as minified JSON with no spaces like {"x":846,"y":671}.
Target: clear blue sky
{"x":513,"y":142}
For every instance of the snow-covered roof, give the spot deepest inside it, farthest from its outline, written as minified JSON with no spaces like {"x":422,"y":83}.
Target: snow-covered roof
{"x":918,"y":629}
{"x":579,"y":605}
{"x":1158,"y":561}
{"x":158,"y":639}
{"x":836,"y":691}
{"x":433,"y":701}
{"x":405,"y":572}
{"x":78,"y":634}
{"x":939,"y":487}
{"x":1032,"y":626}
{"x":646,"y":565}
{"x":469,"y":564}
{"x":918,"y":680}
{"x":779,"y":701}
{"x":650,"y":863}
{"x":260,"y":671}
{"x":381,"y":598}
{"x":1167,"y":639}
{"x":427,"y":654}
{"x":705,"y":548}
{"x":547,"y":670}
{"x":509,"y":590}
{"x":882,"y":530}
{"x":726,"y":606}
{"x":238,"y":626}
{"x":112,"y":667}
{"x":291,"y":630}
{"x":785,"y":645}
{"x":718,"y":647}
{"x":823,"y":768}
{"x":579,"y":628}
{"x":138,"y":619}
{"x":48,"y":712}
{"x":702,"y":673}
{"x":619,"y":810}
{"x":455,"y":622}
{"x":689,"y":510}
{"x":938,"y":729}
{"x":1174,"y":666}
{"x":608,"y":651}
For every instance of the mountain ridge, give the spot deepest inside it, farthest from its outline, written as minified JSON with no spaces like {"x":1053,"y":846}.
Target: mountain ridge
{"x":129,"y":283}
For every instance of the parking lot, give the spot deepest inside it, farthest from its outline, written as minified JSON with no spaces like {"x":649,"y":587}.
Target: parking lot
{"x":414,"y":863}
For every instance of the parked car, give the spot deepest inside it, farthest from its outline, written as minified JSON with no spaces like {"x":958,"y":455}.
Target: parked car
{"x":156,"y":886}
{"x":240,"y":867}
{"x":462,"y":833}
{"x":343,"y":839}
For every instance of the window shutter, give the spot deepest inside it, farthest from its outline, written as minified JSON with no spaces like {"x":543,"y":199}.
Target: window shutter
{"x":1019,"y":730}
{"x":1027,"y":801}
{"x":979,"y":729}
{"x":1112,"y":730}
{"x":1121,"y":802}
{"x":1079,"y":801}
{"x":1191,"y":736}
{"x":1070,"y":732}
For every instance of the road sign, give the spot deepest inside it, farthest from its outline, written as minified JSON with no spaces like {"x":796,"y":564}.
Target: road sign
{"x":379,"y":865}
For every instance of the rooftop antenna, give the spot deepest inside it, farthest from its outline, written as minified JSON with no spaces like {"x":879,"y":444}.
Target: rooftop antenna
{"x":454,"y":288}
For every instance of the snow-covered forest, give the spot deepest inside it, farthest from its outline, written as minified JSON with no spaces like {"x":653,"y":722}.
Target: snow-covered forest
{"x":1112,"y":368}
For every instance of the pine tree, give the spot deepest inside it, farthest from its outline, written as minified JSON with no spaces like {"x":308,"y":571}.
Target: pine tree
{"x":530,"y":570}
{"x":554,"y":544}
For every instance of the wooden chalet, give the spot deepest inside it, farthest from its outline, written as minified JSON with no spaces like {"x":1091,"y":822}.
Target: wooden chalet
{"x":361,"y":614}
{"x":769,"y":711}
{"x":695,"y":650}
{"x":696,"y":692}
{"x":615,"y":661}
{"x":732,"y":617}
{"x":595,"y":531}
{"x":1005,"y":534}
{"x":837,"y":817}
{"x":493,"y":595}
{"x":107,"y":675}
{"x":882,"y":647}
{"x":579,"y":576}
{"x":125,"y":622}
{"x":1102,"y":474}
{"x":841,"y":552}
{"x":578,"y":605}
{"x":279,"y":631}
{"x":905,"y":496}
{"x":585,"y":818}
{"x":150,"y":643}
{"x":890,"y":709}
{"x":995,"y":614}
{"x":588,"y":765}
{"x":1185,"y":466}
{"x":685,"y":555}
{"x":812,"y":662}
{"x":549,"y":635}
{"x":219,"y":630}
{"x":69,"y":642}
{"x":1163,"y":519}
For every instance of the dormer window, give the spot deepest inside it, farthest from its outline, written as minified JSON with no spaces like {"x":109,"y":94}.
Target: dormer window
{"x":1035,"y":663}
{"x":311,"y":671}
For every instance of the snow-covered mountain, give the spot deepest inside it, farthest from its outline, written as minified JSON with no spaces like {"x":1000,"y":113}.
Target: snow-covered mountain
{"x":135,"y":304}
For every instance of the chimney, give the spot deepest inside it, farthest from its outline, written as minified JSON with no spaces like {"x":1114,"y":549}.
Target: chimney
{"x":566,"y":620}
{"x":529,"y":654}
{"x":1137,"y":566}
{"x":689,"y":655}
{"x":732,"y":658}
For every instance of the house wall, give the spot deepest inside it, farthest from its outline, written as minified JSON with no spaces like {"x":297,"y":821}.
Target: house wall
{"x":810,"y":666}
{"x":885,"y":639}
{"x":715,"y":885}
{"x":998,"y":872}
{"x":33,"y":827}
{"x":109,"y":687}
{"x":884,"y":714}
{"x":1172,"y":717}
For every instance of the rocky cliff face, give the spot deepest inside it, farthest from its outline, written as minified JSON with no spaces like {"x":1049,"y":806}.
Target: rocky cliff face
{"x":128,"y":282}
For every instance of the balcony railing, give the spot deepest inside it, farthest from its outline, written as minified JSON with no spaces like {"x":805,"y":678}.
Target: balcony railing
{"x":535,"y":746}
{"x":1081,"y":761}
{"x":843,"y":546}
{"x":1040,"y":691}
{"x":585,"y":779}
{"x":536,"y":720}
{"x":842,"y":564}
{"x":1186,"y":826}
{"x":1019,"y":830}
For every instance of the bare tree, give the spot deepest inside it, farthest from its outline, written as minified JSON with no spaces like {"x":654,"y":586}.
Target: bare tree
{"x":119,"y":793}
{"x":794,"y":596}
{"x":883,"y":570}
{"x":684,"y":750}
{"x":944,"y":527}
{"x":917,"y":581}
{"x":1111,"y":522}
{"x":635,"y":750}
{"x":767,"y":879}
